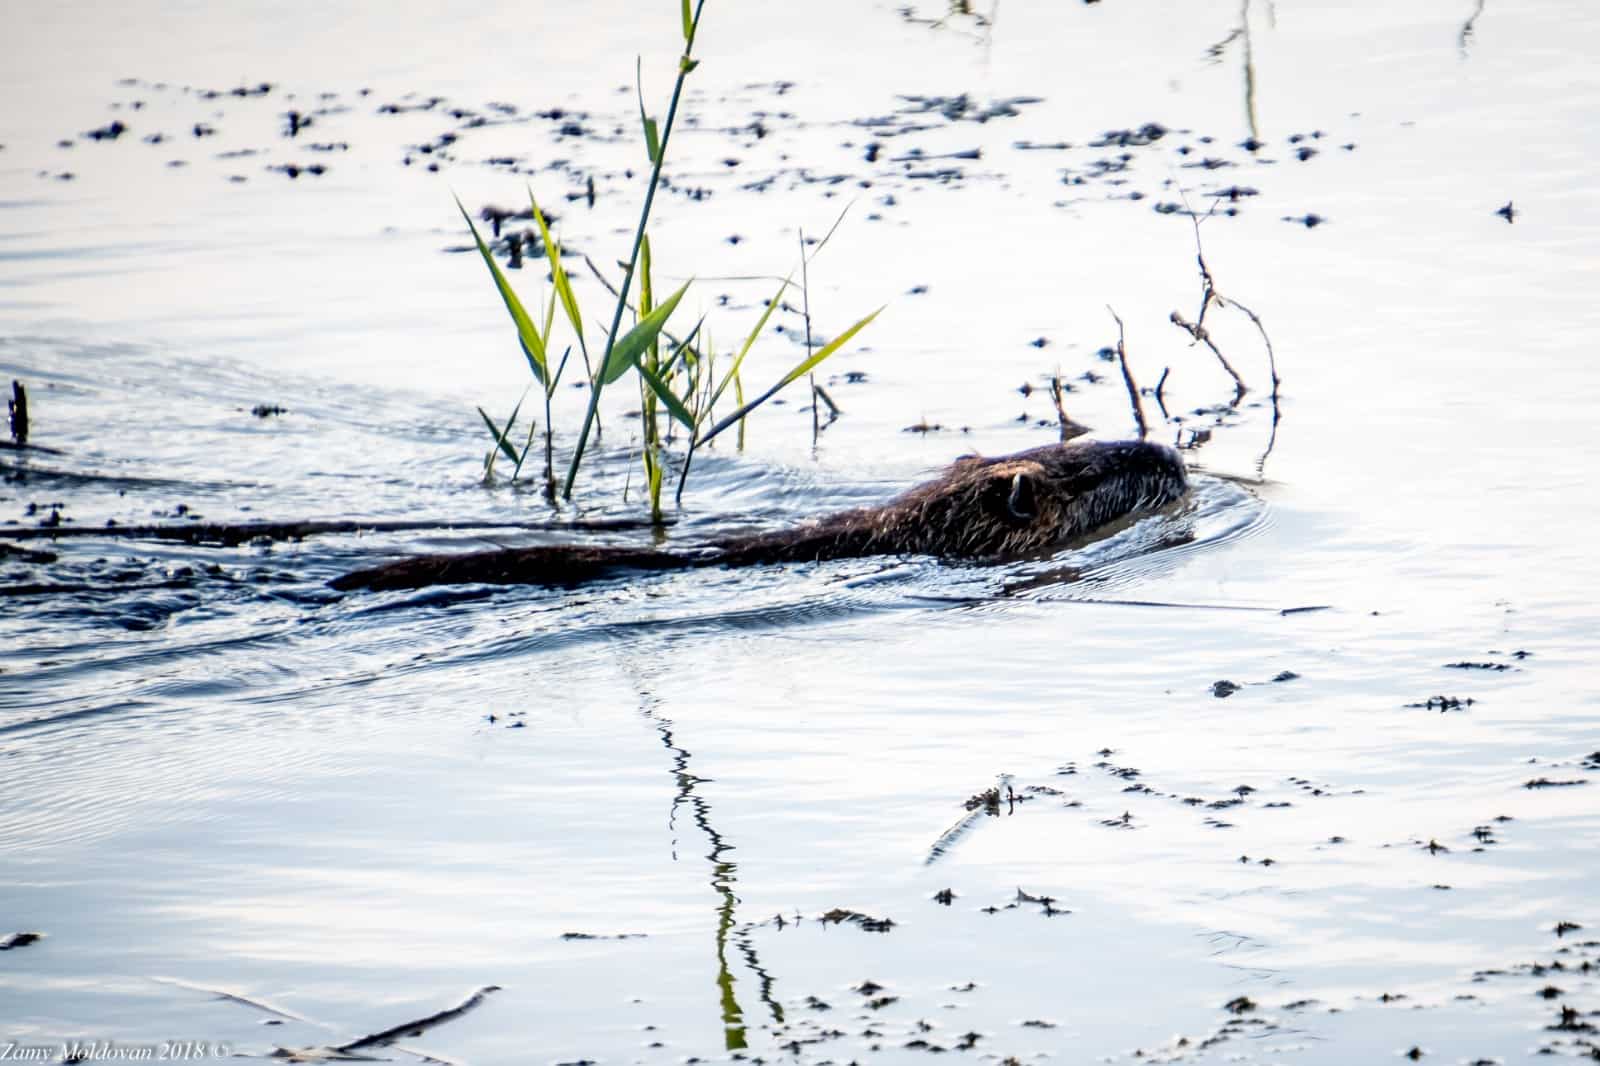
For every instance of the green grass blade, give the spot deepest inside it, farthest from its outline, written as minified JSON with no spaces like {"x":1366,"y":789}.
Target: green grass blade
{"x":552,"y":251}
{"x":499,"y":434}
{"x":685,"y":350}
{"x":673,"y":405}
{"x":647,"y":291}
{"x":631,"y":345}
{"x":544,"y":339}
{"x":688,"y":22}
{"x":647,"y":295}
{"x":749,"y":342}
{"x":652,"y":132}
{"x":798,"y":372}
{"x":828,"y":349}
{"x":532,"y":344}
{"x":527,"y":446}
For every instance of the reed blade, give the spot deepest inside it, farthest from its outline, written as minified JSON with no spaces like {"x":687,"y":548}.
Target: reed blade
{"x":628,"y":349}
{"x":527,"y":335}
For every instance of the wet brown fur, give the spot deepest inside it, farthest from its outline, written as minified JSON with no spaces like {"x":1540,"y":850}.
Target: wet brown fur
{"x":979,"y":508}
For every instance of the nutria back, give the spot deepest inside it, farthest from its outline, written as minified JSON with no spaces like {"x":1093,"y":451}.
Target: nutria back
{"x":979,"y":508}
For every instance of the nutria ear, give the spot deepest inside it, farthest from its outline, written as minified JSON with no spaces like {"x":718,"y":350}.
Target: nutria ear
{"x":1012,"y":490}
{"x":1021,"y":502}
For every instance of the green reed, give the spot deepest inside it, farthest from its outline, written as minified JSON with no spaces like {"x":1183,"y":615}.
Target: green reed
{"x":679,"y":379}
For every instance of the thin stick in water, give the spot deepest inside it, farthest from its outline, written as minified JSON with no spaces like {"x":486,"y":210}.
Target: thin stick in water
{"x":1127,"y":376}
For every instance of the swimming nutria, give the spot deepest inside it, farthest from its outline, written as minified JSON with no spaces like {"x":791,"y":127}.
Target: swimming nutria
{"x":980,"y":508}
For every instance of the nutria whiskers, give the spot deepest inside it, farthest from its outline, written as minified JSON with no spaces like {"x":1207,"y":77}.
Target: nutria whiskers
{"x":978,"y":509}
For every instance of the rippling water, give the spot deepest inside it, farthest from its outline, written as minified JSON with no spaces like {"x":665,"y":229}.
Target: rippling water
{"x":631,"y":805}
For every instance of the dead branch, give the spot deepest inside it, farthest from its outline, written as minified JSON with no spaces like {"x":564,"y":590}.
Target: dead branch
{"x":1208,"y":295}
{"x":1069,"y":428}
{"x":1127,"y":376}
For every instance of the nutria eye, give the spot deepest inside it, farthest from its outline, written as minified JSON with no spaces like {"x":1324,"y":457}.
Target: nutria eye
{"x":1020,"y":502}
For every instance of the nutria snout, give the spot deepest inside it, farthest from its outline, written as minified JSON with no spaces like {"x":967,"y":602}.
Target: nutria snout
{"x":979,"y":508}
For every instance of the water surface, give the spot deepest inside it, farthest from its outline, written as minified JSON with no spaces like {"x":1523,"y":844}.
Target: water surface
{"x":220,"y":776}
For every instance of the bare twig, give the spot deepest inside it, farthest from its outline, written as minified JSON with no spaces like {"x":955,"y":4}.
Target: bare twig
{"x":1203,"y":336}
{"x":1272,"y":359}
{"x":1196,"y":329}
{"x":1127,"y":376}
{"x":822,"y":394}
{"x":805,"y":295}
{"x":1069,"y":428}
{"x":1208,"y":295}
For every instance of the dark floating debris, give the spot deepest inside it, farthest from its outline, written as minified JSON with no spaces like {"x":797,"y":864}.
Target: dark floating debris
{"x":963,"y":108}
{"x":1309,"y":221}
{"x":109,"y":132}
{"x":1223,"y":689}
{"x":1047,"y":904}
{"x":18,"y":940}
{"x":842,"y":916}
{"x":1444,"y":703}
{"x":268,"y":410}
{"x":1235,"y":193}
{"x":603,"y":936}
{"x":1149,"y":133}
{"x":1508,"y":212}
{"x":294,"y":170}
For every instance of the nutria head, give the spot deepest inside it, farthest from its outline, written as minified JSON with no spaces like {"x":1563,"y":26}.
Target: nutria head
{"x":1033,"y":500}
